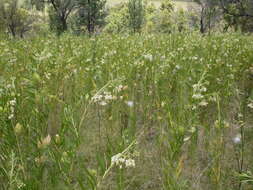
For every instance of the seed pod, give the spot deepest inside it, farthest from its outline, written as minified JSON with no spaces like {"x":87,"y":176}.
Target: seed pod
{"x":18,"y":129}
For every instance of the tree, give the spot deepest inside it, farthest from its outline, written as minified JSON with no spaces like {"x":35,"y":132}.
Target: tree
{"x":91,"y":13}
{"x":58,"y":13}
{"x":238,"y":14}
{"x":39,"y":5}
{"x":164,"y":21}
{"x":117,"y":19}
{"x":208,"y":14}
{"x":14,"y":19}
{"x":136,"y":14}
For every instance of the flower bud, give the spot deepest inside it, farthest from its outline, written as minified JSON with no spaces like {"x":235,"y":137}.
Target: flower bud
{"x":57,"y":139}
{"x":18,"y":128}
{"x":44,"y":142}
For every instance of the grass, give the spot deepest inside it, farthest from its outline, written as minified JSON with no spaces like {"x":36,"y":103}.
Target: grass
{"x":176,"y":110}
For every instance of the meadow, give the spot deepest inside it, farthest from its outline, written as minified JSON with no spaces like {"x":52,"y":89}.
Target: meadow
{"x":127,"y":112}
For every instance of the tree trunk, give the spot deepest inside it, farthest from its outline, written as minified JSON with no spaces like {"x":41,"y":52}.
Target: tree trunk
{"x":202,"y":25}
{"x":89,"y":18}
{"x":64,"y":24}
{"x":12,"y":30}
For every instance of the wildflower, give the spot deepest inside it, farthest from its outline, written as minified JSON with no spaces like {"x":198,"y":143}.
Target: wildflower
{"x":13,"y":102}
{"x":119,"y":88}
{"x":178,"y":67}
{"x":115,"y":159}
{"x":148,"y":57}
{"x":192,"y":130}
{"x":97,"y":98}
{"x":8,"y":86}
{"x":130,"y":103}
{"x":250,"y":105}
{"x":130,"y":163}
{"x":186,"y":139}
{"x":203,"y":103}
{"x":102,"y":103}
{"x":203,"y":89}
{"x":20,"y":184}
{"x":197,"y":96}
{"x":240,"y":115}
{"x":194,"y":107}
{"x":48,"y":75}
{"x":195,"y":86}
{"x":40,"y":160}
{"x":11,"y":116}
{"x":108,"y":97}
{"x":120,"y":160}
{"x":237,"y":139}
{"x":12,"y":109}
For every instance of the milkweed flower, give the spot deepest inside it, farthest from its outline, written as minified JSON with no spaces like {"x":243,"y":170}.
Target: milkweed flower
{"x":121,"y":160}
{"x":130,"y":163}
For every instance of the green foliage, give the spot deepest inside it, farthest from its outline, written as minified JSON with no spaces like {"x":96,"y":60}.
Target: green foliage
{"x":17,"y":21}
{"x":136,"y":15}
{"x":151,"y":18}
{"x":238,"y":14}
{"x":59,"y":12}
{"x":37,"y":4}
{"x":246,"y":177}
{"x":116,"y":21}
{"x":91,"y":14}
{"x":165,"y":21}
{"x":167,"y":6}
{"x":55,"y":22}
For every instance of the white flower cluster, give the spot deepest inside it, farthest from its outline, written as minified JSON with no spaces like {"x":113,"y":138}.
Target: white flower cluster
{"x":120,"y":160}
{"x":198,"y":90}
{"x":104,"y":98}
{"x":120,"y":88}
{"x":12,"y":104}
{"x":48,"y":76}
{"x":44,"y":55}
{"x":250,"y":105}
{"x":148,"y":57}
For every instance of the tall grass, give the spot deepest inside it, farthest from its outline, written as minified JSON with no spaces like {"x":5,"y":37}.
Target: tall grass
{"x":164,"y":112}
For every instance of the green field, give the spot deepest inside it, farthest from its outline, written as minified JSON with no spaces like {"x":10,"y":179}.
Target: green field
{"x":153,"y":112}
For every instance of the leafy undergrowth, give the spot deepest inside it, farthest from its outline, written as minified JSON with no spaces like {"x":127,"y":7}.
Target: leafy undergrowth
{"x":127,"y":112}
